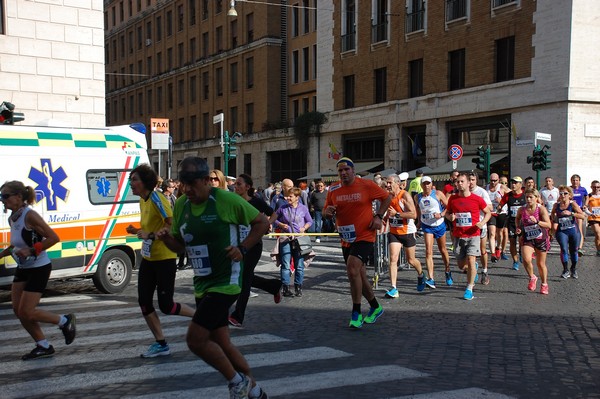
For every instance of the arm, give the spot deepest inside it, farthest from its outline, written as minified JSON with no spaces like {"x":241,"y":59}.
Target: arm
{"x":544,"y":218}
{"x":34,"y":221}
{"x":307,"y":221}
{"x":377,"y":220}
{"x":578,"y":213}
{"x":258,"y":227}
{"x":518,"y":221}
{"x":444,"y":201}
{"x":487,"y":214}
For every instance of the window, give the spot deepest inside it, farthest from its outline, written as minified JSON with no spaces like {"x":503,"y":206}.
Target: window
{"x":122,"y":44}
{"x":219,"y":7}
{"x":250,"y":27}
{"x":140,"y":103}
{"x":219,"y":82}
{"x":500,"y":3}
{"x":233,"y":111}
{"x":456,"y":9}
{"x":159,"y":62}
{"x":233,"y":33}
{"x":180,"y":55}
{"x":180,"y":18}
{"x":305,"y":64}
{"x":295,"y":109}
{"x":204,"y":9}
{"x":305,"y":106}
{"x":380,"y":85}
{"x":149,"y":66}
{"x":121,"y":12}
{"x":180,"y":93}
{"x":295,"y":20}
{"x":314,"y":61}
{"x":159,"y":99}
{"x":250,"y":118}
{"x":205,"y":45}
{"x":158,"y":28}
{"x":415,"y":78}
{"x":505,"y":59}
{"x":169,"y":58}
{"x":181,"y":129}
{"x":130,"y":37}
{"x":249,"y":73}
{"x":219,"y":39}
{"x":140,"y":38}
{"x":205,"y":125}
{"x":193,"y":127}
{"x":349,"y":91}
{"x":114,"y":52}
{"x":233,"y":77}
{"x":192,"y":12}
{"x":365,"y":148}
{"x":456,"y":69}
{"x":131,"y":106}
{"x":379,"y":24}
{"x":248,"y":164}
{"x":415,"y":16}
{"x":114,"y":177}
{"x":193,"y":89}
{"x":205,"y":90}
{"x":169,"y":23}
{"x":306,"y":19}
{"x":348,"y":25}
{"x":149,"y":102}
{"x":295,"y":61}
{"x":170,"y":96}
{"x":192,"y":56}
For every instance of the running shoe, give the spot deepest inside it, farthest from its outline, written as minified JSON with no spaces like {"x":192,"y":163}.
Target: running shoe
{"x":580,"y":252}
{"x":503,"y":257}
{"x":494,"y":259}
{"x":497,"y":254}
{"x":566,"y":274}
{"x":39,"y":352}
{"x":69,"y":329}
{"x":155,"y":350}
{"x":532,"y":283}
{"x":404,"y":266}
{"x":544,"y":289}
{"x":356,"y":321}
{"x":574,"y":273}
{"x":318,"y":240}
{"x":449,"y":280}
{"x":420,"y":283}
{"x":240,"y":390}
{"x":515,"y":265}
{"x":485,"y":279}
{"x":253,"y":294}
{"x":392,"y":293}
{"x":373,"y":314}
{"x":468,"y":294}
{"x":233,"y":322}
{"x":430,"y":283}
{"x":261,"y":395}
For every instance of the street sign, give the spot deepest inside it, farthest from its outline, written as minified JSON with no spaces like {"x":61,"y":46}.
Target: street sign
{"x":455,"y":152}
{"x":543,"y":136}
{"x":159,"y":128}
{"x":524,"y":143}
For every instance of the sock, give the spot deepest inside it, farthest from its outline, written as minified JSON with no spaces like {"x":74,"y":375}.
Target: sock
{"x":254,"y":392}
{"x":356,"y":307}
{"x":470,"y":287}
{"x":62,"y":321}
{"x":485,"y":270}
{"x":236,"y":378}
{"x":162,"y":342}
{"x":374,"y":304}
{"x":43,"y":343}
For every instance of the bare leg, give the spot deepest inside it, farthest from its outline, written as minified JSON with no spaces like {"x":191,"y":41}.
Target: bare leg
{"x":395,"y":248}
{"x":25,"y":308}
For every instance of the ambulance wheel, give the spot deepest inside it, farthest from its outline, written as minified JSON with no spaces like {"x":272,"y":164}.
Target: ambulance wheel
{"x":114,"y":272}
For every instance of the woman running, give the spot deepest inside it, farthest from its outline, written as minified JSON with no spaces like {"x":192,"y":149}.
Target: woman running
{"x":564,"y":222}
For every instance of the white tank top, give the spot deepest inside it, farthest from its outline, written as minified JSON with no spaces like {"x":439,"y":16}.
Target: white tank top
{"x":22,"y":237}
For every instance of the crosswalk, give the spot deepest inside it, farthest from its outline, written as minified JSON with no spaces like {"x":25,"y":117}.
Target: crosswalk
{"x":104,"y":361}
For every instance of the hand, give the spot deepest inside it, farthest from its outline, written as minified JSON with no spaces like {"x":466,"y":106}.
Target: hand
{"x":375,"y":223}
{"x":234,"y":253}
{"x":329,"y":211}
{"x":163,"y":234}
{"x":130,"y":229}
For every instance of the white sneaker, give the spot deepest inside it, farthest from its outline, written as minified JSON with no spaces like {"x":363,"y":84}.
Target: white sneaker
{"x":253,"y":294}
{"x":318,"y":240}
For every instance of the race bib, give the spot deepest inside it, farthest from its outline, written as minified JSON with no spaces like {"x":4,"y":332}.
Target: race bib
{"x":347,"y":233}
{"x":513,"y":210}
{"x":147,"y":248}
{"x":396,"y":221}
{"x":565,"y":223}
{"x":596,"y":211}
{"x":463,"y":219}
{"x":198,"y":257}
{"x":533,"y":232}
{"x":244,"y":231}
{"x":427,"y":216}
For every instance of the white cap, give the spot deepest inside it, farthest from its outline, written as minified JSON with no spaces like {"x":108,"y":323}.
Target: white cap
{"x":425,"y":179}
{"x":403,"y":176}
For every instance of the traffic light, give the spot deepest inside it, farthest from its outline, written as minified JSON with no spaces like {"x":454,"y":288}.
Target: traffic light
{"x":545,"y":157}
{"x":7,"y":114}
{"x":481,"y":160}
{"x":232,"y":145}
{"x":537,"y":159}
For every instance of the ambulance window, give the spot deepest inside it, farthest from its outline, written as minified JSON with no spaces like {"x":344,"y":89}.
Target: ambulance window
{"x":109,"y":187}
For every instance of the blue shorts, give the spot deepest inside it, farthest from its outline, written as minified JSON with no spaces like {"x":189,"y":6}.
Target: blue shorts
{"x":437,"y":231}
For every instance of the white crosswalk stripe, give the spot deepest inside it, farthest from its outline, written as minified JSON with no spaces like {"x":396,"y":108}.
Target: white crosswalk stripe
{"x":114,"y":358}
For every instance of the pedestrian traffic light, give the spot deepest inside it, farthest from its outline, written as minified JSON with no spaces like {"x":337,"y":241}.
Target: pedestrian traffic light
{"x":536,"y":159}
{"x":233,"y":144}
{"x":480,"y":161}
{"x":7,"y":114}
{"x":545,"y":157}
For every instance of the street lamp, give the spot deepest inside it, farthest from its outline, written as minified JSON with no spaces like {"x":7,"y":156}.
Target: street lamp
{"x":232,"y":12}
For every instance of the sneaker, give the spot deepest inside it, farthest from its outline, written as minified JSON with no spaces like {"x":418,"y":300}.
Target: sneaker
{"x":404,"y":266}
{"x":253,"y":294}
{"x":574,"y":273}
{"x":515,"y":265}
{"x":69,"y":329}
{"x":544,"y":289}
{"x":503,"y":257}
{"x":241,"y":389}
{"x":420,"y":283}
{"x":485,"y":279}
{"x":262,"y":395}
{"x":494,"y":259}
{"x":430,"y":283}
{"x":566,"y":274}
{"x":356,"y":321}
{"x":449,"y":280}
{"x":392,"y":293}
{"x":532,"y":283}
{"x":373,"y":314}
{"x":233,"y":322}
{"x":497,"y":254}
{"x":277,"y":297}
{"x":39,"y":352}
{"x":318,"y":240}
{"x":468,"y":294}
{"x":580,"y":252}
{"x":155,"y":350}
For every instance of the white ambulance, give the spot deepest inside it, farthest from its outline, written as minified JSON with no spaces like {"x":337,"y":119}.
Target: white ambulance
{"x":80,"y":177}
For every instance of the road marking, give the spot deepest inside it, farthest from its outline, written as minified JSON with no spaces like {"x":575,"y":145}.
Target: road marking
{"x":303,"y":383}
{"x":472,"y":393}
{"x":75,"y":381}
{"x":62,"y":308}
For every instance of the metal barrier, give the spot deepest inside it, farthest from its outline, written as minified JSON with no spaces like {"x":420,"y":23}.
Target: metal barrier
{"x":382,"y":258}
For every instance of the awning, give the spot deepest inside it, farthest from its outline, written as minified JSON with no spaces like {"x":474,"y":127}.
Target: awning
{"x":365,"y":167}
{"x":463,"y":164}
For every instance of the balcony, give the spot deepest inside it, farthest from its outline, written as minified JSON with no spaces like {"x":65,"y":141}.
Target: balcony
{"x":455,"y":9}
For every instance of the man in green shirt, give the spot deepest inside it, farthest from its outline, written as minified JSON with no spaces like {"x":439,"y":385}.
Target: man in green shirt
{"x":211,"y":225}
{"x":415,"y":185}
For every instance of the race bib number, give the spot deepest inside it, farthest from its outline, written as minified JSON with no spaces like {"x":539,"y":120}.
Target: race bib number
{"x":533,"y":232}
{"x":396,"y":222}
{"x":566,"y":223}
{"x":347,"y":233}
{"x":147,"y":248}
{"x":463,"y":219}
{"x":198,"y":256}
{"x":244,"y":231}
{"x":596,"y":211}
{"x":513,"y":211}
{"x":427,"y":217}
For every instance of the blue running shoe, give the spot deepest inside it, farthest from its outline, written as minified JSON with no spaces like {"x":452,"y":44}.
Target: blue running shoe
{"x":503,"y":257}
{"x":156,"y":350}
{"x":515,"y":265}
{"x":373,"y":314}
{"x":392,"y":293}
{"x":420,"y":283}
{"x":449,"y":280}
{"x":468,"y":294}
{"x":430,"y":283}
{"x":356,"y":321}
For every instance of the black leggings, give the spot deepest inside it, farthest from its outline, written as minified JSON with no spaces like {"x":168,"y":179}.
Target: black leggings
{"x":157,"y":275}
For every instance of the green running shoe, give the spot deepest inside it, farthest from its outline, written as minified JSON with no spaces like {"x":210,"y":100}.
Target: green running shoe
{"x":374,"y":314}
{"x":356,"y":321}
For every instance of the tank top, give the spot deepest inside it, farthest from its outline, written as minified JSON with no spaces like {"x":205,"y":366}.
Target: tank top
{"x":514,"y":203}
{"x":532,"y":230}
{"x":594,"y":208}
{"x":22,"y":237}
{"x":429,"y":206}
{"x":398,"y":225}
{"x":565,"y":222}
{"x":495,"y":197}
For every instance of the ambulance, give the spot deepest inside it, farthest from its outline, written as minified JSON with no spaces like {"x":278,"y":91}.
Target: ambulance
{"x":81,"y":181}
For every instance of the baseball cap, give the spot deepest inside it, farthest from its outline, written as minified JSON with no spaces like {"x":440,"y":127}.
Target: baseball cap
{"x":403,"y":176}
{"x":426,"y":179}
{"x":517,"y":179}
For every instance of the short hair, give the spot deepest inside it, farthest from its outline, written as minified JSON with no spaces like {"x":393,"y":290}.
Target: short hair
{"x":147,"y":175}
{"x":296,"y":191}
{"x":566,"y":188}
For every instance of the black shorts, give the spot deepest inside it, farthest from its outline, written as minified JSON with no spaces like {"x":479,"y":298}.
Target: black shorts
{"x":512,"y":228}
{"x":592,"y":222}
{"x":493,"y":220}
{"x":408,"y":240}
{"x":35,"y":278}
{"x":501,"y":220}
{"x":212,"y":310}
{"x":361,"y":249}
{"x":542,"y":244}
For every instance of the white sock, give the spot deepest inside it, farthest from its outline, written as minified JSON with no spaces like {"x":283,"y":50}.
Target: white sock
{"x":63,"y":320}
{"x":43,"y":343}
{"x":254,"y":392}
{"x":236,"y":378}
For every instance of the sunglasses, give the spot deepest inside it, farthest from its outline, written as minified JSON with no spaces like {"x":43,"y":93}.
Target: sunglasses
{"x":493,"y":181}
{"x":213,"y":178}
{"x":503,"y":182}
{"x":6,"y":196}
{"x":564,"y":193}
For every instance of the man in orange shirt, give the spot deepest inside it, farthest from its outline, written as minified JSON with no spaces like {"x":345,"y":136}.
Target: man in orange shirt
{"x":350,"y":200}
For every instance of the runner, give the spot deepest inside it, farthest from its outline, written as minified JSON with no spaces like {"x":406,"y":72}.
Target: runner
{"x":350,"y":200}
{"x":549,"y":194}
{"x":479,"y":191}
{"x":580,"y":196}
{"x":564,"y":216}
{"x":502,"y":223}
{"x":464,"y":211}
{"x":515,"y":200}
{"x":593,"y":211}
{"x":494,"y":190}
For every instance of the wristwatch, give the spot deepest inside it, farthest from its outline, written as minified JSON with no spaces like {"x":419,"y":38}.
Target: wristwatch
{"x":243,"y":250}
